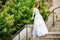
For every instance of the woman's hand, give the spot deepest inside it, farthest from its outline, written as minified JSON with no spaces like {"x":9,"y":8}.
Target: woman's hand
{"x":32,"y":18}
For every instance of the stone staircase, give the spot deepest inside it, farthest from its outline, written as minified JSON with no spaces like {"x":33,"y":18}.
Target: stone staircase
{"x":54,"y":32}
{"x":49,"y":36}
{"x":56,"y":28}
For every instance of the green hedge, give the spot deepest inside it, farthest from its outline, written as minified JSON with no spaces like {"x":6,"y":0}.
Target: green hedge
{"x":16,"y":14}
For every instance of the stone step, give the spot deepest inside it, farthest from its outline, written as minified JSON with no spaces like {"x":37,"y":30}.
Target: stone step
{"x":46,"y":38}
{"x":53,"y":33}
{"x":51,"y":22}
{"x":51,"y":29}
{"x":49,"y":36}
{"x":57,"y":22}
{"x":55,"y":29}
{"x":57,"y":25}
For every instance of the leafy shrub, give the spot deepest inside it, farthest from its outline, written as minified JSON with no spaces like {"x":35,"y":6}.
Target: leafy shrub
{"x":15,"y":14}
{"x":43,"y":10}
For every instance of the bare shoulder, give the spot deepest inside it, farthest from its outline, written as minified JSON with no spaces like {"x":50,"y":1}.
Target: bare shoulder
{"x":35,"y":9}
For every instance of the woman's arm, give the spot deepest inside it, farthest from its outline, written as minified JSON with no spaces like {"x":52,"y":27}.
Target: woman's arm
{"x":33,"y":16}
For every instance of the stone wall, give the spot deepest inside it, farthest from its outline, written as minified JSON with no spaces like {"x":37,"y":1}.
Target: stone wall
{"x":56,"y":3}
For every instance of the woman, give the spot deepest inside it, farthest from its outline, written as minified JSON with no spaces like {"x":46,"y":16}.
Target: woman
{"x":39,"y":28}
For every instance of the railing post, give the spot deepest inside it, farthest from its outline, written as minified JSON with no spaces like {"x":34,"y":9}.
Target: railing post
{"x":26,"y":32}
{"x":53,"y":19}
{"x":19,"y":36}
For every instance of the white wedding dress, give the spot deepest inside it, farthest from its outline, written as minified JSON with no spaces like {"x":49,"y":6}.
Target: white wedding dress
{"x":39,"y":28}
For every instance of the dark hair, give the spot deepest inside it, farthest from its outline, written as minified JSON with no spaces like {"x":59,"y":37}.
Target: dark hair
{"x":36,"y":5}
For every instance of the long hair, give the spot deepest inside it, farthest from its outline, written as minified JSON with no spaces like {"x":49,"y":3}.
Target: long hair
{"x":36,"y":5}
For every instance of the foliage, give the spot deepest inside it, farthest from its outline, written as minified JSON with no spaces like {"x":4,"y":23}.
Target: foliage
{"x":43,"y":10}
{"x":3,"y":1}
{"x":0,"y":4}
{"x":15,"y":14}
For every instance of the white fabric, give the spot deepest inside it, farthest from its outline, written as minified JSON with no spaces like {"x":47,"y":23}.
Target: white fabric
{"x":39,"y":28}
